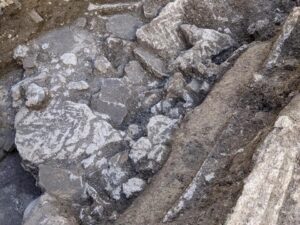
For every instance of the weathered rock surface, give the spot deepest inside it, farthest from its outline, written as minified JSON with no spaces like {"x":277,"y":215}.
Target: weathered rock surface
{"x":271,"y":187}
{"x":47,"y":211}
{"x":97,"y":110}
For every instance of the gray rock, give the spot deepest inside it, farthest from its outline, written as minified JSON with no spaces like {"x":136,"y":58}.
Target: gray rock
{"x":61,"y":183}
{"x":286,"y":41}
{"x":78,"y":85}
{"x":152,"y":7}
{"x":135,"y":73}
{"x":17,"y":190}
{"x":47,"y":211}
{"x":159,"y":129}
{"x":134,"y":131}
{"x":140,"y":150}
{"x":123,"y":26}
{"x":103,"y":66}
{"x":175,"y":85}
{"x":194,"y":85}
{"x":113,"y":100}
{"x":206,"y":44}
{"x":153,"y":63}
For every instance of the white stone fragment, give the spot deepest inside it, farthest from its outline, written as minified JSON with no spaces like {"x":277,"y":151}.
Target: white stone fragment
{"x":159,"y":129}
{"x":140,"y":149}
{"x":35,"y":95}
{"x":69,"y":59}
{"x":21,"y":51}
{"x":79,"y":85}
{"x":133,"y":186}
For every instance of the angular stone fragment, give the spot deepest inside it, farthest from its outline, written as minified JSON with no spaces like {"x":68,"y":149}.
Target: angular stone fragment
{"x":113,"y":100}
{"x":135,"y":73}
{"x":206,"y":44}
{"x":47,"y":211}
{"x":267,"y":187}
{"x":78,"y":85}
{"x":133,"y":186}
{"x":175,"y":85}
{"x":69,"y":59}
{"x":61,"y":183}
{"x":103,"y":66}
{"x":161,"y":33}
{"x":152,"y":7}
{"x":140,"y":149}
{"x":159,"y":129}
{"x":288,"y":39}
{"x":153,"y":63}
{"x":123,"y":26}
{"x":115,"y":8}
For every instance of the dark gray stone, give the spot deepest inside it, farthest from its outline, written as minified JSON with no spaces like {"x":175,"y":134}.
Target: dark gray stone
{"x":17,"y":190}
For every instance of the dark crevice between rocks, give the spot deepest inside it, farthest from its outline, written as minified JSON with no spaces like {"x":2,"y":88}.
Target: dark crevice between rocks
{"x":17,"y":189}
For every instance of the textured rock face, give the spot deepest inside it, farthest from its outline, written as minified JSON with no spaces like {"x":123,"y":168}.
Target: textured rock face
{"x":45,"y":210}
{"x":272,"y":180}
{"x":120,"y":113}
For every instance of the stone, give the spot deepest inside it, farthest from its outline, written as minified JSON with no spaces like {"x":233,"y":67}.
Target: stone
{"x":159,"y":129}
{"x":46,"y":210}
{"x":115,"y":8}
{"x":35,"y":95}
{"x":123,"y":26}
{"x":154,"y":64}
{"x":274,"y":174}
{"x":17,"y":190}
{"x":194,"y":85}
{"x":140,"y":149}
{"x":78,"y":85}
{"x":175,"y":85}
{"x":133,"y":186}
{"x":35,"y":16}
{"x":206,"y":44}
{"x":69,"y":59}
{"x":61,"y":183}
{"x":113,"y":100}
{"x":69,"y":130}
{"x":103,"y":66}
{"x":287,"y":40}
{"x":151,"y":7}
{"x":165,"y":25}
{"x":134,"y":131}
{"x":135,"y":73}
{"x":20,"y":52}
{"x":115,"y":174}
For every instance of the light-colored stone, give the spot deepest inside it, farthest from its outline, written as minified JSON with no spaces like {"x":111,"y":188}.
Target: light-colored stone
{"x":78,"y":85}
{"x":267,"y":187}
{"x":47,"y":211}
{"x":63,"y":131}
{"x":159,"y":129}
{"x":69,"y":59}
{"x":35,"y":95}
{"x":133,"y":186}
